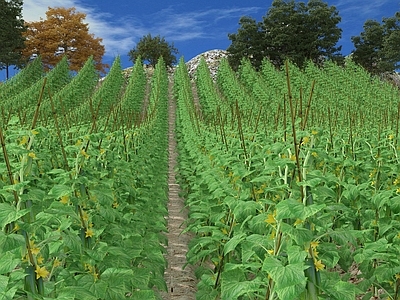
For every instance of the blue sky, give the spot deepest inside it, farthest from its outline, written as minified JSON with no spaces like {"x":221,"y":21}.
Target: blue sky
{"x":193,"y":26}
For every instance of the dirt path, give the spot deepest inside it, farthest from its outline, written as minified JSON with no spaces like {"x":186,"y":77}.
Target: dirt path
{"x":181,"y":282}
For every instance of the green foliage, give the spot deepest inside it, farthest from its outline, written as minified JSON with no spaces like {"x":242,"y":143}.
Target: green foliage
{"x":249,"y":42}
{"x":150,"y":49}
{"x":22,"y":80}
{"x":82,"y":208}
{"x":376,"y":48}
{"x":276,"y":216}
{"x":290,"y":30}
{"x":11,"y":29}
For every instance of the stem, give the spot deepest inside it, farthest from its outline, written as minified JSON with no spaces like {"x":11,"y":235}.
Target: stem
{"x":296,"y":147}
{"x":8,"y":165}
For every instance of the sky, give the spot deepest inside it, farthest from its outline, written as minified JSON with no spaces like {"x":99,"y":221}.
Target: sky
{"x":192,"y":26}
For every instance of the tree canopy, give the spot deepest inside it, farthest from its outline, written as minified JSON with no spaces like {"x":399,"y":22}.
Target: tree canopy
{"x":377,"y":48}
{"x":150,"y":49}
{"x":290,"y":30}
{"x":63,"y":32}
{"x":11,"y":34}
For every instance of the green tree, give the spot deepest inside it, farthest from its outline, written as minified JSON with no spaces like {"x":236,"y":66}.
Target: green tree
{"x":249,"y":42}
{"x":150,"y":49}
{"x":377,"y":48}
{"x":290,"y":30}
{"x":11,"y":34}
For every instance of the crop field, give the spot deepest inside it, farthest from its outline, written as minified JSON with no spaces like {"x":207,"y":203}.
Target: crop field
{"x":291,"y":178}
{"x":83,"y":184}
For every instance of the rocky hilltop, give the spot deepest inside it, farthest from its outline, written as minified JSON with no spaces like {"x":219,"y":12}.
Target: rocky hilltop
{"x":212,"y":58}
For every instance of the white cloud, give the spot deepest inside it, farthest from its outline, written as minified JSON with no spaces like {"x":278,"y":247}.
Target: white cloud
{"x":183,"y":26}
{"x":356,"y":9}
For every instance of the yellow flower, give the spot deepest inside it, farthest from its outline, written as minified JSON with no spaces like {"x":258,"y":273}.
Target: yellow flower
{"x":34,"y":249}
{"x":78,"y":143}
{"x":319,"y":265}
{"x":64,"y":199}
{"x":314,"y":244}
{"x":89,"y":233}
{"x":24,"y":140}
{"x":83,"y":153}
{"x":315,"y":154}
{"x":34,"y":132}
{"x":396,"y":181}
{"x":315,"y":252}
{"x":271,"y":252}
{"x":224,"y":231}
{"x":115,"y":204}
{"x":56,"y":263}
{"x":41,"y":272}
{"x":292,"y":157}
{"x":391,"y":137}
{"x":39,"y":259}
{"x":398,"y":190}
{"x":397,"y":276}
{"x":85,"y":216}
{"x":102,"y":151}
{"x":271,"y":218}
{"x":314,"y":132}
{"x":306,"y":139}
{"x":298,"y":222}
{"x":32,"y":155}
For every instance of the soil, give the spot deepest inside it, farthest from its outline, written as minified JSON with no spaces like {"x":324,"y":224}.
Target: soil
{"x":181,"y":281}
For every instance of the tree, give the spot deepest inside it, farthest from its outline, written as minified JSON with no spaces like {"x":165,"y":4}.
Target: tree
{"x":150,"y":49}
{"x":63,"y":32}
{"x":377,"y":47}
{"x":296,"y":31}
{"x":248,"y":43}
{"x":11,"y":34}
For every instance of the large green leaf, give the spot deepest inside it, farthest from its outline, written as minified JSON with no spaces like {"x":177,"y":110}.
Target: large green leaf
{"x":11,"y":241}
{"x":60,"y":190}
{"x":8,"y":262}
{"x":143,"y":294}
{"x":9,"y":213}
{"x":290,"y":280}
{"x":233,"y":242}
{"x":235,"y":284}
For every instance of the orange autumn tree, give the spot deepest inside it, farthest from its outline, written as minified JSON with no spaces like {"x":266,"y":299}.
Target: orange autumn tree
{"x":63,"y":32}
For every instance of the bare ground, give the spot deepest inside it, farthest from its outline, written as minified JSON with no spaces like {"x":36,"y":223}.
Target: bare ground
{"x":181,"y":282}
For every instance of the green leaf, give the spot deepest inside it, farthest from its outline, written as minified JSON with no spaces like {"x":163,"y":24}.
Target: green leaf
{"x":11,"y":241}
{"x":234,"y":284}
{"x":60,"y":190}
{"x":344,"y":291}
{"x":288,"y":209}
{"x":75,"y":292}
{"x":3,"y":283}
{"x":301,"y":236}
{"x":145,"y":294}
{"x":8,"y":262}
{"x":296,"y":254}
{"x":9,"y":213}
{"x":72,"y":241}
{"x":233,"y":242}
{"x":244,"y":209}
{"x":8,"y":294}
{"x":140,"y":278}
{"x":290,"y":280}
